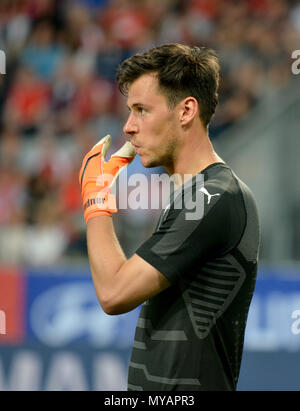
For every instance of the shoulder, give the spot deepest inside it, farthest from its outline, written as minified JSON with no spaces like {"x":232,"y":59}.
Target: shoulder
{"x":219,"y":180}
{"x":216,"y":185}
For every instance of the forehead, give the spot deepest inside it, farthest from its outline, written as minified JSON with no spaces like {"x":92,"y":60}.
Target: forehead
{"x":145,"y":90}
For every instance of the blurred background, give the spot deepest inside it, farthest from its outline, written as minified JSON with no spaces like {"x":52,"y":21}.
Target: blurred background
{"x":58,"y":96}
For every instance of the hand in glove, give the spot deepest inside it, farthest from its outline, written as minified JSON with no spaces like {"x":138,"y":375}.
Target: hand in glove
{"x":97,"y":176}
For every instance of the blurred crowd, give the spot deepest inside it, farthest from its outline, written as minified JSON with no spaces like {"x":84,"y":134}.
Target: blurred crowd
{"x":59,"y":96}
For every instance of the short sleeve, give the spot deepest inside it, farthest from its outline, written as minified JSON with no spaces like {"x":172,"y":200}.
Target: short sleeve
{"x":188,"y":234}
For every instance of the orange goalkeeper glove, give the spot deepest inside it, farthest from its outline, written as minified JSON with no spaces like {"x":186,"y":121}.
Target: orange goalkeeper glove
{"x":97,"y":177}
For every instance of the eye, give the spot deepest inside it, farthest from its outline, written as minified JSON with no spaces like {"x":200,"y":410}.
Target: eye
{"x":142,"y":111}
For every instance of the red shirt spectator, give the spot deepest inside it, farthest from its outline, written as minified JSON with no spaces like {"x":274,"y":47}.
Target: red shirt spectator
{"x":125,"y":24}
{"x":28,"y":99}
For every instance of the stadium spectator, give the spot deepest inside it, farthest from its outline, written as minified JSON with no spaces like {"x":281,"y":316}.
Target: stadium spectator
{"x":27,"y":101}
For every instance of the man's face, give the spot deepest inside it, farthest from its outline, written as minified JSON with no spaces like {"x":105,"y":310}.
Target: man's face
{"x":153,"y":127}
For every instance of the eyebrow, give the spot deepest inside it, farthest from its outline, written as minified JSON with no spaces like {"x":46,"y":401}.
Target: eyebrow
{"x":136,"y":105}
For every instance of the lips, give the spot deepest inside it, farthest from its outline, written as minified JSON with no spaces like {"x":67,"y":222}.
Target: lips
{"x":136,"y":147}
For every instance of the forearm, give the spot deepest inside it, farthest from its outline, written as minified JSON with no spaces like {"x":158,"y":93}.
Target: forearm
{"x":106,"y":257}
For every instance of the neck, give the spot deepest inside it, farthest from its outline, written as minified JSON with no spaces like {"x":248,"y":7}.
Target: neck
{"x":192,"y":156}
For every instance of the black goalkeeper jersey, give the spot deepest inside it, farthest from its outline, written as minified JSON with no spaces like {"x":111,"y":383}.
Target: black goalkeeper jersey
{"x":191,"y":335}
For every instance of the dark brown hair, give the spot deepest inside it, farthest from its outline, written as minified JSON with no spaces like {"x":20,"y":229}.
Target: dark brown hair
{"x":182,"y":71}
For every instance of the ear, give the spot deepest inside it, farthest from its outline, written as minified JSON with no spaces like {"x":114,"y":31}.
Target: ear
{"x":189,"y":109}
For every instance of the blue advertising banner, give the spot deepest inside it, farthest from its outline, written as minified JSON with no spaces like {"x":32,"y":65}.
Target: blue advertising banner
{"x":63,"y":310}
{"x":36,"y":367}
{"x":274,"y":315}
{"x":60,"y":339}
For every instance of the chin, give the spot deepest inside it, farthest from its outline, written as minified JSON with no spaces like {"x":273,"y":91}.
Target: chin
{"x":149,"y":163}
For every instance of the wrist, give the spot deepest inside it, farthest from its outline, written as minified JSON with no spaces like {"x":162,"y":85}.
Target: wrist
{"x":94,"y":216}
{"x":98,"y":203}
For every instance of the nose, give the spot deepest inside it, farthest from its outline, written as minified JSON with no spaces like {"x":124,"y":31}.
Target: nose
{"x":130,"y":127}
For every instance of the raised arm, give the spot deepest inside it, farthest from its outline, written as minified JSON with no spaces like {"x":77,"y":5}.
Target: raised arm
{"x":120,"y":284}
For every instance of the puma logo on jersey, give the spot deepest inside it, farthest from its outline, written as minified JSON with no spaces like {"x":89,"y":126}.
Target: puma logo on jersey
{"x":204,"y":191}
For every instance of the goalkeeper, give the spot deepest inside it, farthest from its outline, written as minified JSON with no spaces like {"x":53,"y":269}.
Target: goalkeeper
{"x":194,"y":277}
